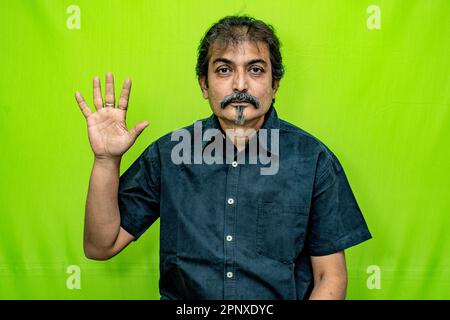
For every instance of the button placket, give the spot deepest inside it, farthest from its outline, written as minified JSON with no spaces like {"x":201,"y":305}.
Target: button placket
{"x":229,"y":231}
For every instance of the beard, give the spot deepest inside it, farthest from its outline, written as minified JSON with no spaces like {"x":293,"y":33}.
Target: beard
{"x":239,"y":97}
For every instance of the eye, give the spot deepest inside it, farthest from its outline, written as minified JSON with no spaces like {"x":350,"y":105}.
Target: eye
{"x":256,"y":70}
{"x":223,"y":70}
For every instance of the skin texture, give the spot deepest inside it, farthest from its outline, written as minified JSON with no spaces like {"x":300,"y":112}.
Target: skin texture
{"x":243,"y":67}
{"x":330,"y":277}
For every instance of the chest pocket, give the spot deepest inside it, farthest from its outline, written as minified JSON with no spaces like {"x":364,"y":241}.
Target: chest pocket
{"x":281,"y":230}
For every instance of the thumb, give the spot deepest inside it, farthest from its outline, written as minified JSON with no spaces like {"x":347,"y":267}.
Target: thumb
{"x":138,"y":128}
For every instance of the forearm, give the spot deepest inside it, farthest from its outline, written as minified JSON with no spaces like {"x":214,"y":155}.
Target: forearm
{"x":102,"y":217}
{"x":330,"y":288}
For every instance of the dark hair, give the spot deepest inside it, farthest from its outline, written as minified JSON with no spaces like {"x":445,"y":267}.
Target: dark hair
{"x":235,"y":29}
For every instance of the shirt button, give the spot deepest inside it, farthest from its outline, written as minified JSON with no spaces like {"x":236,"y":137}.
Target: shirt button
{"x":234,"y":164}
{"x":229,"y":238}
{"x":230,"y":201}
{"x":230,"y":274}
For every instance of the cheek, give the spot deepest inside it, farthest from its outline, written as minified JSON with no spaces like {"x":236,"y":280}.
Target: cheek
{"x":264,"y":89}
{"x":218,"y":92}
{"x":215,"y":96}
{"x":266,"y":95}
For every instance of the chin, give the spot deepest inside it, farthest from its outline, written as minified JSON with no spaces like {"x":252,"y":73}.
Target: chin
{"x":249,"y":110}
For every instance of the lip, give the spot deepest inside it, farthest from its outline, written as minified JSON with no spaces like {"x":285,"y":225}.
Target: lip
{"x":240,"y":102}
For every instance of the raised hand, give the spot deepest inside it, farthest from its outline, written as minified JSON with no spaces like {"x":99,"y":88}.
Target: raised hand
{"x":107,"y":129}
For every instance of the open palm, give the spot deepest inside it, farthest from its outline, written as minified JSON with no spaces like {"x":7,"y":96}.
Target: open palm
{"x":107,"y":129}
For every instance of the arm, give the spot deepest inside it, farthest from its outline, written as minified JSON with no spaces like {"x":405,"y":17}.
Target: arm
{"x":103,"y":236}
{"x":109,"y":139}
{"x":330,"y":277}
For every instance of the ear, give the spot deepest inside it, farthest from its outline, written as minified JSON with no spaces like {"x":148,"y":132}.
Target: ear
{"x":203,"y":86}
{"x":275,"y":85}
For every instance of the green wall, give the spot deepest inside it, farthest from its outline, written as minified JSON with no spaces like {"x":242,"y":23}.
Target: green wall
{"x":379,"y":98}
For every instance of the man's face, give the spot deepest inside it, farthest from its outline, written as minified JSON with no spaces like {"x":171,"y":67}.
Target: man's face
{"x":245,"y":68}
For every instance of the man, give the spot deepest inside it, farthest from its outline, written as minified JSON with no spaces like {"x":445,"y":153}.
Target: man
{"x":228,"y":230}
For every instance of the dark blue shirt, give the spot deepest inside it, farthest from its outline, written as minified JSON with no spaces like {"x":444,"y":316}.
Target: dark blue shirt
{"x":229,"y":232}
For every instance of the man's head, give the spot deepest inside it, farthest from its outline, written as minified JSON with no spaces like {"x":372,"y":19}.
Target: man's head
{"x":239,"y":67}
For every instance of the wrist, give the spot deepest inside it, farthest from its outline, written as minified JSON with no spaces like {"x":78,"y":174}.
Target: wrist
{"x":107,"y":161}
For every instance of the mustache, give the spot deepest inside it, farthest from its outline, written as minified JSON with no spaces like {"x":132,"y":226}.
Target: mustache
{"x":239,"y":96}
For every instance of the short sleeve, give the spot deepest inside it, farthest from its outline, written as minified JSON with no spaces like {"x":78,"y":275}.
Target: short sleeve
{"x":139,"y":190}
{"x":336,"y":221}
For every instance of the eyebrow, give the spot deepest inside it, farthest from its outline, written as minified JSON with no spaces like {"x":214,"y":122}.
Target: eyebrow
{"x":227,"y":61}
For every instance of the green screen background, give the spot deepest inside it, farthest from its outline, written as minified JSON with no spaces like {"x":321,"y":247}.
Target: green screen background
{"x":378,"y":98}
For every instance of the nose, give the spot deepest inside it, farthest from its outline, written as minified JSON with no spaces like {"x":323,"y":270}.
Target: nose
{"x":240,"y":82}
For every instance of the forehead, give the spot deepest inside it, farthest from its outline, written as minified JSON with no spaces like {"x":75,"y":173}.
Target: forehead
{"x":240,"y":51}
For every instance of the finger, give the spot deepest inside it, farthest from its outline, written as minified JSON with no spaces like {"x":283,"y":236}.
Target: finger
{"x":109,"y":98}
{"x":125,"y":95}
{"x":138,"y":128}
{"x":82,"y":104}
{"x":98,"y":100}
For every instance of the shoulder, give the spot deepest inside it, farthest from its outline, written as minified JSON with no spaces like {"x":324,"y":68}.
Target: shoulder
{"x":307,"y":145}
